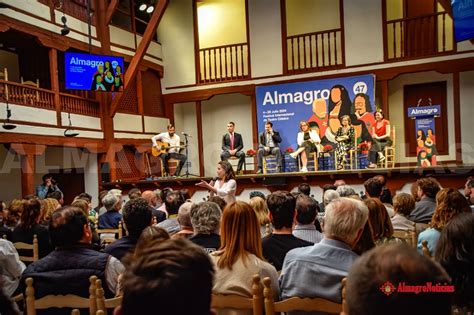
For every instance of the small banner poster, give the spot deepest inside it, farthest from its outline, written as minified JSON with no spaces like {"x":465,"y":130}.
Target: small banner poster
{"x":425,"y":133}
{"x":463,"y":13}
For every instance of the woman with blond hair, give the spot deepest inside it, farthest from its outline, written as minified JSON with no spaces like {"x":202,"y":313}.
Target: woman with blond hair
{"x":240,"y":255}
{"x":261,"y":210}
{"x":49,"y":206}
{"x":449,"y":203}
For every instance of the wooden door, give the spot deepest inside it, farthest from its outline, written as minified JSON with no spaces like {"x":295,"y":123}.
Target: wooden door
{"x":70,"y":181}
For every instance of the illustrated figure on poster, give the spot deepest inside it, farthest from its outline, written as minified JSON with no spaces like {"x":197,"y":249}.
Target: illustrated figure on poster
{"x":423,"y":159}
{"x":118,"y":80}
{"x":108,"y":67}
{"x":426,"y":148}
{"x":339,"y":105}
{"x":363,"y":110}
{"x":98,"y":86}
{"x":420,"y":135}
{"x":319,"y":119}
{"x":99,"y":72}
{"x":345,"y":141}
{"x":108,"y":80}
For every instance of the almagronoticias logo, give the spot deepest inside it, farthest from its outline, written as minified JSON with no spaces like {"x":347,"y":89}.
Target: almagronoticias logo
{"x":388,"y":288}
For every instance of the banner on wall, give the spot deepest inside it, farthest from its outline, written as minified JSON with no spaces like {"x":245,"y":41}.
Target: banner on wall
{"x":463,"y":14}
{"x":425,"y":133}
{"x":321,"y":103}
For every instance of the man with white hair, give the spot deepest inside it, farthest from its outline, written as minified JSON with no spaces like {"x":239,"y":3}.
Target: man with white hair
{"x":329,"y":195}
{"x":112,"y":203}
{"x":346,"y":191}
{"x":317,"y":271}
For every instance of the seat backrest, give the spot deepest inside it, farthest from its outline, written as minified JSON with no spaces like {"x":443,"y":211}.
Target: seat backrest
{"x":102,"y":303}
{"x":393,"y":134}
{"x":255,"y":303}
{"x":31,"y":247}
{"x":30,"y":83}
{"x":60,"y":301}
{"x":117,"y":231}
{"x":407,"y":236}
{"x":4,"y":74}
{"x":297,"y":303}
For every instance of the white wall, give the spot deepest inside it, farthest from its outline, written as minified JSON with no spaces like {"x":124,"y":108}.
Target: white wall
{"x":185,"y":121}
{"x":397,"y":114}
{"x":10,"y":174}
{"x":216,"y":113}
{"x":363,"y":36}
{"x":176,"y":34}
{"x":265,"y":38}
{"x":467,"y":114}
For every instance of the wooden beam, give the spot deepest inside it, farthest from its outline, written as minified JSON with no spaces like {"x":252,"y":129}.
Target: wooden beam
{"x":140,"y":53}
{"x":457,"y":117}
{"x":110,"y":11}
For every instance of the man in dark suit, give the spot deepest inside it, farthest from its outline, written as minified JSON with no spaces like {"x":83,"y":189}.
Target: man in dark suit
{"x":232,"y":145}
{"x":269,"y":143}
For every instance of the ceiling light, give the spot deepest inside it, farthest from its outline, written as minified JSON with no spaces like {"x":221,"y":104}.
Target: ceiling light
{"x":150,"y":9}
{"x":65,"y":30}
{"x":143,"y":7}
{"x":6,"y":124}
{"x":69,"y":132}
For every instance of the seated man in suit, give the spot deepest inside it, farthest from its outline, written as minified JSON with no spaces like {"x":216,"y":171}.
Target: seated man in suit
{"x":232,"y":145}
{"x":173,"y":140}
{"x":269,"y":143}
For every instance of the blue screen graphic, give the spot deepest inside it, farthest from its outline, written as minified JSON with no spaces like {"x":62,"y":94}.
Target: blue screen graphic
{"x":94,"y":72}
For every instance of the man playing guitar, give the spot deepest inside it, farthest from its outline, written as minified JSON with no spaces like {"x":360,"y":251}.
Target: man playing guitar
{"x":171,"y":150}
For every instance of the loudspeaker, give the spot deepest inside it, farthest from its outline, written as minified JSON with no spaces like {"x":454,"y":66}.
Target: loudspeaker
{"x":105,"y":172}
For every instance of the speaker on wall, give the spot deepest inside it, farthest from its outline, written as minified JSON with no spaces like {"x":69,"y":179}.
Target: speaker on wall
{"x":105,"y":172}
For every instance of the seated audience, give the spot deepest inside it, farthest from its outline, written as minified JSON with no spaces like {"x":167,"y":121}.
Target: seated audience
{"x":304,"y":188}
{"x":240,"y":256}
{"x":172,"y":277}
{"x":220,"y":202}
{"x":427,"y":188}
{"x":256,"y":193}
{"x":136,"y":216}
{"x":5,"y":232}
{"x":49,"y":206}
{"x":11,"y":267}
{"x":164,"y":193}
{"x":58,"y":195}
{"x":346,"y":191}
{"x":469,"y":192}
{"x":100,"y":209}
{"x":29,"y":226}
{"x":374,"y":189}
{"x":395,"y":264}
{"x":386,"y":196}
{"x":134,"y":193}
{"x":184,"y":220}
{"x":403,"y":205}
{"x":306,"y":211}
{"x":450,"y":203}
{"x":329,"y":195}
{"x":173,"y":201}
{"x":150,"y":237}
{"x":71,"y":235}
{"x":13,"y":214}
{"x":455,"y":253}
{"x":206,"y":220}
{"x":112,"y":203}
{"x":259,"y":205}
{"x":366,"y":240}
{"x":380,"y":224}
{"x":282,"y":206}
{"x":152,"y":199}
{"x":317,"y":271}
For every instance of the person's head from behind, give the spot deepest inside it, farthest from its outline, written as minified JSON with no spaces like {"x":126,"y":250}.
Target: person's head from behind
{"x":56,"y":195}
{"x":173,"y":201}
{"x":31,"y":213}
{"x":68,"y":227}
{"x":256,"y":193}
{"x":345,"y":191}
{"x":206,"y":218}
{"x":151,"y":236}
{"x":260,"y":207}
{"x":136,"y":216}
{"x":449,"y":203}
{"x":395,"y":263}
{"x":184,"y":215}
{"x":220,"y":201}
{"x":282,"y":207}
{"x":306,"y":209}
{"x":373,"y":187}
{"x":379,"y":219}
{"x":150,"y":197}
{"x":403,"y":204}
{"x":240,"y":234}
{"x":134,"y":193}
{"x":344,"y":220}
{"x":455,"y":253}
{"x":175,"y":275}
{"x":13,"y":215}
{"x":329,"y":187}
{"x":304,"y":188}
{"x":81,"y":204}
{"x":112,"y":202}
{"x":330,"y":195}
{"x":428,"y":187}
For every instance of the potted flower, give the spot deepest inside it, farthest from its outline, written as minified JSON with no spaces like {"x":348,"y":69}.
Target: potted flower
{"x":289,"y":150}
{"x":251,"y":152}
{"x":364,"y":147}
{"x":328,"y":148}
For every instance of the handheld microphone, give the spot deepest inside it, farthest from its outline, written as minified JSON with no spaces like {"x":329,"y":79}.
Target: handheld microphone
{"x":185,"y":134}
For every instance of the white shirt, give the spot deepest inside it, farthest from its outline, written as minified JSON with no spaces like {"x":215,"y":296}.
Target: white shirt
{"x":227,"y":191}
{"x":173,"y":141}
{"x":11,"y":267}
{"x":312,"y":134}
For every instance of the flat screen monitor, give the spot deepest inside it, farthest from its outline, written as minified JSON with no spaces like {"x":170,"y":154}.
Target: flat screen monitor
{"x":94,"y":72}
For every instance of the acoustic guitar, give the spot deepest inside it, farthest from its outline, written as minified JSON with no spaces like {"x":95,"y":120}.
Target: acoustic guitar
{"x":163,"y":147}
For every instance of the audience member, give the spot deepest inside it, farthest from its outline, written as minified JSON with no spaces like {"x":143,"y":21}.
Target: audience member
{"x":346,"y":191}
{"x":159,"y":201}
{"x":11,"y":267}
{"x":317,"y":271}
{"x":450,"y":203}
{"x":136,"y":216}
{"x":304,"y":188}
{"x":397,"y":265}
{"x":414,"y":191}
{"x":365,"y":242}
{"x":206,"y":220}
{"x":164,"y":193}
{"x":326,"y":188}
{"x":5,"y":232}
{"x":150,"y":237}
{"x":257,"y":193}
{"x":386,"y":196}
{"x":152,"y":200}
{"x":282,"y":207}
{"x":173,"y":277}
{"x":71,"y":235}
{"x":374,"y":189}
{"x":329,"y":195}
{"x":49,"y":206}
{"x":259,"y":205}
{"x":100,"y":209}
{"x":469,"y":192}
{"x":455,"y":253}
{"x":58,"y":195}
{"x":134,"y":193}
{"x":29,"y":226}
{"x":240,"y":255}
{"x":403,"y":205}
{"x":173,"y":201}
{"x":339,"y":182}
{"x":7,"y":305}
{"x":427,"y":189}
{"x":48,"y":186}
{"x":184,"y":220}
{"x":113,"y":203}
{"x":220,"y":202}
{"x":13,"y":214}
{"x":379,"y":220}
{"x":306,"y":212}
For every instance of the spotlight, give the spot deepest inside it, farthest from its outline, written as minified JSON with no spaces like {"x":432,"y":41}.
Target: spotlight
{"x":150,"y":9}
{"x":142,"y":7}
{"x":65,"y":30}
{"x":69,"y":132}
{"x":6,"y":124}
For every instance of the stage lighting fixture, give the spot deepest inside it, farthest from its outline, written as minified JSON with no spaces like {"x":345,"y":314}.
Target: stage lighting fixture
{"x":6,"y":124}
{"x":65,"y":30}
{"x":69,"y":132}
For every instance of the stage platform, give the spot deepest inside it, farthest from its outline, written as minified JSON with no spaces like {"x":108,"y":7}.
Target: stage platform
{"x":448,"y":175}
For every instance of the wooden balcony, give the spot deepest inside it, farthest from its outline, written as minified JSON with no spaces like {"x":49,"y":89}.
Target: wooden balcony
{"x":314,"y":51}
{"x":224,"y":63}
{"x":421,"y":36}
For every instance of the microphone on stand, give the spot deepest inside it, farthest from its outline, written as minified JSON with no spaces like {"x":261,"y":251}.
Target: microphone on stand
{"x":186,"y":135}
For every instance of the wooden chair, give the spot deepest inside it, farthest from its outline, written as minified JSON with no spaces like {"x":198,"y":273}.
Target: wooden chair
{"x":60,"y":301}
{"x":102,"y":303}
{"x":313,"y":157}
{"x":273,"y":163}
{"x":117,"y":233}
{"x":407,"y":236}
{"x":389,"y":152}
{"x":172,"y":166}
{"x":351,"y":155}
{"x":30,"y":96}
{"x":255,"y":303}
{"x":297,"y":303}
{"x":31,"y":247}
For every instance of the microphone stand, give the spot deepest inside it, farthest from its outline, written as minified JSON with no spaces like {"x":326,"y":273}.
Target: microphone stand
{"x":186,"y":145}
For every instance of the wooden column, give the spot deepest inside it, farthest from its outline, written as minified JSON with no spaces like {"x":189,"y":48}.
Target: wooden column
{"x":199,"y":137}
{"x":27,"y":153}
{"x":457,"y":117}
{"x":384,"y":105}
{"x":110,"y":158}
{"x":53,"y":70}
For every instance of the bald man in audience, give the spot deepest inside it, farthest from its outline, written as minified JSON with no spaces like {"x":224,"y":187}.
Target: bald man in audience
{"x":150,"y":196}
{"x":317,"y":271}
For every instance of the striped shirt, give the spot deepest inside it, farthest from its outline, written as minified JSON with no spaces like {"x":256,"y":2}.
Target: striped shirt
{"x":308,"y":233}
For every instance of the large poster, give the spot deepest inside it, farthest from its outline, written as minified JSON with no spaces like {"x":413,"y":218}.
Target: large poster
{"x":426,"y":151}
{"x":321,"y":103}
{"x":463,"y":13}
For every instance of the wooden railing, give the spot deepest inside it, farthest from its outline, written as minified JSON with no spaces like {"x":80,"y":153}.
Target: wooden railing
{"x":78,"y":105}
{"x":419,"y":36}
{"x":313,"y":51}
{"x":224,"y":63}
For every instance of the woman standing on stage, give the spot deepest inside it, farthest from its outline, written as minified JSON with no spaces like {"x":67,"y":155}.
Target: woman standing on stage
{"x":224,"y":184}
{"x":345,"y":141}
{"x":308,"y":140}
{"x":381,"y":139}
